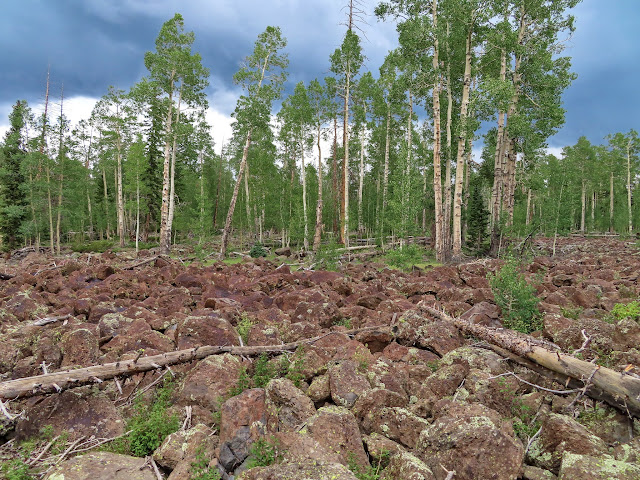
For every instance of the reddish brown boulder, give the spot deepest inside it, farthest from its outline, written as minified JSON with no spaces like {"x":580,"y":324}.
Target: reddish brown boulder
{"x":300,"y":470}
{"x":79,"y":412}
{"x":375,"y":398}
{"x":183,"y":446}
{"x":473,"y":441}
{"x":395,"y":423}
{"x":336,"y":429}
{"x":347,"y":383}
{"x":585,"y":467}
{"x":243,"y":421}
{"x":79,"y":347}
{"x":210,"y":381}
{"x":405,"y":466}
{"x":205,"y":330}
{"x":102,"y":465}
{"x":287,"y":406}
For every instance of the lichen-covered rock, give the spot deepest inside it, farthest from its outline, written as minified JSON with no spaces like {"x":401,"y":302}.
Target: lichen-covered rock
{"x":586,"y":467}
{"x":102,"y":465}
{"x":381,"y":449}
{"x":297,"y":447}
{"x":561,"y":434}
{"x":472,"y":440}
{"x":210,"y":381}
{"x":396,"y":423}
{"x":347,"y":383}
{"x":197,"y":331}
{"x":535,"y":473}
{"x":183,"y":447}
{"x":336,"y":429}
{"x":376,"y":398}
{"x":242,"y":422}
{"x":287,"y":406}
{"x":320,"y":389}
{"x":79,"y":347}
{"x":308,"y":470}
{"x":405,"y":466}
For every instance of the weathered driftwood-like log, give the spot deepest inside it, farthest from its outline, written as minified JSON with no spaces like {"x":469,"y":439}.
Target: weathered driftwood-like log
{"x":58,"y":381}
{"x":616,"y":388}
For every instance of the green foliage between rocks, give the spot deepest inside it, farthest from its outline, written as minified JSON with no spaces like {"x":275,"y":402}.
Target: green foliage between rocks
{"x":405,"y":257}
{"x":516,"y":297}
{"x":263,"y":452}
{"x":628,"y":310}
{"x":200,"y":469}
{"x":258,"y":251}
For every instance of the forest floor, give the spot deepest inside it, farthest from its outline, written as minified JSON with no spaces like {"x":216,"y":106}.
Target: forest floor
{"x":408,"y":396}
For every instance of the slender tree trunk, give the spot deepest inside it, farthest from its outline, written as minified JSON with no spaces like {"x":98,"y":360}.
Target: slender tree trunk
{"x":165,"y":227}
{"x":385,"y":178}
{"x":528,"y":216}
{"x":611,"y":224}
{"x":120,"y":197}
{"x":106,"y":203}
{"x":334,"y":175}
{"x":172,"y":194}
{"x":629,"y":187}
{"x":345,"y":176}
{"x":246,"y":195}
{"x":583,"y":199}
{"x":496,"y":192}
{"x":446,"y":232}
{"x":305,"y":218}
{"x":462,"y":142}
{"x":317,"y":237}
{"x":215,"y":208}
{"x":361,"y":177}
{"x":467,"y":175}
{"x":201,"y":196}
{"x":437,"y":174}
{"x":407,"y":173}
{"x":234,"y":197}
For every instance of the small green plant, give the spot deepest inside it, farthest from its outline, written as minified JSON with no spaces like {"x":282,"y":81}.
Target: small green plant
{"x":344,"y":322}
{"x":263,"y":452}
{"x":150,"y":424}
{"x":258,"y":251}
{"x":571,"y":312}
{"x":516,"y":298}
{"x":369,"y":472}
{"x":263,"y":371}
{"x":200,"y":469}
{"x":328,"y":256}
{"x":16,"y":469}
{"x":294,"y":372}
{"x":244,"y":383}
{"x":628,"y":310}
{"x":244,"y":325}
{"x":97,"y":246}
{"x":405,"y":257}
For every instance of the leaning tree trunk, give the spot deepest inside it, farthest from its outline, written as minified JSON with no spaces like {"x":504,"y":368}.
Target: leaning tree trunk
{"x":234,"y":197}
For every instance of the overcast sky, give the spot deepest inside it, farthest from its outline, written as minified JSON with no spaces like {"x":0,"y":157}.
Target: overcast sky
{"x":91,"y":44}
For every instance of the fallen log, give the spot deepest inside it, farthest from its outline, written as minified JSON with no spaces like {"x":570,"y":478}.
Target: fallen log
{"x":58,"y":381}
{"x":618,"y":389}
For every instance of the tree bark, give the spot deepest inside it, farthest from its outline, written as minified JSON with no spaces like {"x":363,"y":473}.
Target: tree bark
{"x":446,"y":228}
{"x":165,"y":232}
{"x":317,"y":237}
{"x":385,"y":178}
{"x":361,"y":176}
{"x":58,"y":381}
{"x":172,"y":183}
{"x":305,"y":217}
{"x":462,"y":142}
{"x":629,"y":187}
{"x":234,"y":198}
{"x":583,"y":200}
{"x":611,"y":224}
{"x":621,"y":391}
{"x":437,"y":174}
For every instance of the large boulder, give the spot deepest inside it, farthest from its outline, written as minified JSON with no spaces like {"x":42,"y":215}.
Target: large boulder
{"x":585,"y":467}
{"x":303,"y":470}
{"x":180,"y":449}
{"x":287,"y":406}
{"x":104,"y":466}
{"x":197,"y":331}
{"x":471,"y":439}
{"x":347,"y":383}
{"x":405,"y":466}
{"x":336,"y":429}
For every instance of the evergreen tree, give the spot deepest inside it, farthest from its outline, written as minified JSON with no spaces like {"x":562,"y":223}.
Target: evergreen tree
{"x":13,"y":201}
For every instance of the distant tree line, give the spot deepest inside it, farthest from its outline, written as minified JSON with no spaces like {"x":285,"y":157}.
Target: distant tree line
{"x":143,"y":166}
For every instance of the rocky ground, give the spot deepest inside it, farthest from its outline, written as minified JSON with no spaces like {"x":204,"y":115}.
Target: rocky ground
{"x":418,"y":401}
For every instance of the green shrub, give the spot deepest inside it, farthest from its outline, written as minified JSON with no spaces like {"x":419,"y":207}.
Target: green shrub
{"x":263,"y":372}
{"x":628,"y":310}
{"x":200,"y":468}
{"x":244,"y":325}
{"x":150,"y":424}
{"x":516,"y":297}
{"x":405,"y":257}
{"x":97,"y":246}
{"x":328,"y":256}
{"x":16,"y":469}
{"x":263,"y":453}
{"x":258,"y":251}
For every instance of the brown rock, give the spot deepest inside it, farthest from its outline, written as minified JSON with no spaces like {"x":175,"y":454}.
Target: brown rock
{"x":347,"y":383}
{"x":320,"y":389}
{"x":102,"y":465}
{"x":305,"y":470}
{"x":471,"y":440}
{"x":298,"y":447}
{"x":79,"y":412}
{"x":243,"y":421}
{"x":210,"y":381}
{"x":405,"y":466}
{"x":209,"y":330}
{"x":184,"y":445}
{"x":585,"y":467}
{"x":336,"y":429}
{"x":287,"y":406}
{"x":381,"y":449}
{"x":79,"y":347}
{"x":376,"y":398}
{"x":561,"y":434}
{"x":395,"y":423}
